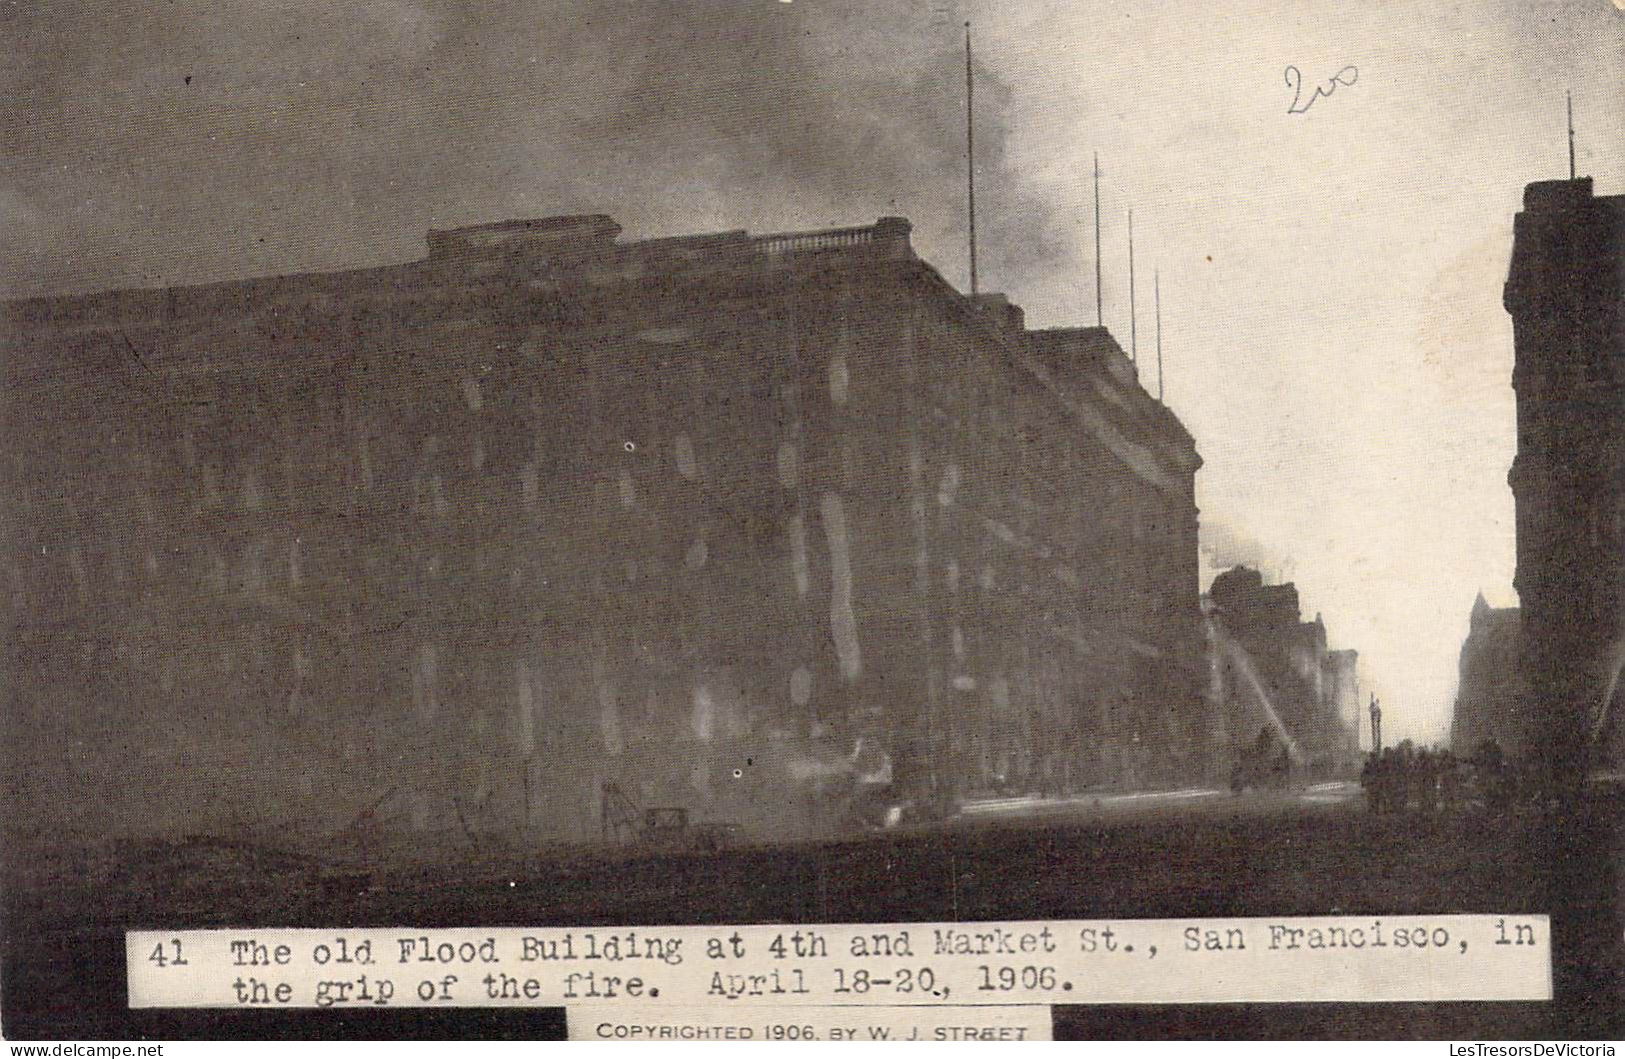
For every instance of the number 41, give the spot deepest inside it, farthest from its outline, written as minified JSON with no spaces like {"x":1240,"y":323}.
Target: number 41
{"x":162,"y":959}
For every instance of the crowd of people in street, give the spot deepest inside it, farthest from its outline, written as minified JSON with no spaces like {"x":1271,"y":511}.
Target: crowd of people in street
{"x":1409,"y":778}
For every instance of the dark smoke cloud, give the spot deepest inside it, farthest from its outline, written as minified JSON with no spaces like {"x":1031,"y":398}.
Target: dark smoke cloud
{"x":192,"y":141}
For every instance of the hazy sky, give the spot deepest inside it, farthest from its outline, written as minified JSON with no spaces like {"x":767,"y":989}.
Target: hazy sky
{"x":1331,"y":280}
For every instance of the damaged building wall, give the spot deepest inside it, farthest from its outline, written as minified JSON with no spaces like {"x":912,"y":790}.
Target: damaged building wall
{"x":722,"y":521}
{"x":1272,"y":672}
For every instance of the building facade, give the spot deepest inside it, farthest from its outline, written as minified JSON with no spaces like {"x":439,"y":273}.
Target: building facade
{"x":1272,"y":674}
{"x":1565,"y":292}
{"x":1342,"y":692}
{"x":724,"y":522}
{"x":1487,"y":698}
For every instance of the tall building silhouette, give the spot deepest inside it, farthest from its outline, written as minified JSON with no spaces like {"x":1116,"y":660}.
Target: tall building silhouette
{"x":1566,"y":294}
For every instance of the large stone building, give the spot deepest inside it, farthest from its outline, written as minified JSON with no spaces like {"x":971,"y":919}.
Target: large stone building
{"x":1566,"y":294}
{"x":1487,"y":699}
{"x":1272,"y":673}
{"x":724,"y":522}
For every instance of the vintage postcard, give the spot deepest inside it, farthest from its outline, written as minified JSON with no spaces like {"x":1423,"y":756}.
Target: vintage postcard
{"x":784,"y":520}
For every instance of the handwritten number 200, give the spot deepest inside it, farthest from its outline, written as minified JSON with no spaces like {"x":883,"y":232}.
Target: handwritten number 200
{"x":1347,"y":76}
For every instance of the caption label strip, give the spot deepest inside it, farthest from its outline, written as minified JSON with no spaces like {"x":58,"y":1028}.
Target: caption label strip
{"x":1151,"y":961}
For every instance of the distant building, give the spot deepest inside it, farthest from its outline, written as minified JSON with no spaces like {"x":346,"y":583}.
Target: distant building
{"x":1487,"y":699}
{"x":722,"y":522}
{"x":1341,"y":686}
{"x":1566,"y":293}
{"x":1272,"y":672}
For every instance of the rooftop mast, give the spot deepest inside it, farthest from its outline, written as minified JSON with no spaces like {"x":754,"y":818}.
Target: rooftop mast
{"x":1156,"y":290}
{"x":1100,"y":315}
{"x":1133,"y":344}
{"x":1570,"y":97}
{"x":970,"y":156}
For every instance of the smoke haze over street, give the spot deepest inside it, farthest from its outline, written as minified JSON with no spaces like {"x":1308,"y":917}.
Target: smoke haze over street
{"x":1331,"y":280}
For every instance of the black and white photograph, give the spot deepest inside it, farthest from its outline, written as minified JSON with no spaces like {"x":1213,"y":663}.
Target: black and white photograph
{"x":1108,"y":516}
